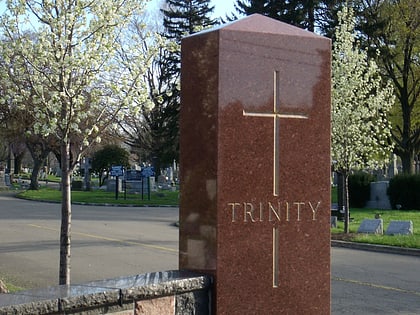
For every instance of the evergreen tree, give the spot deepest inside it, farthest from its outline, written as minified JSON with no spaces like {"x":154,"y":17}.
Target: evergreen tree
{"x":309,"y":14}
{"x":286,"y":11}
{"x":326,"y":16}
{"x":180,"y":18}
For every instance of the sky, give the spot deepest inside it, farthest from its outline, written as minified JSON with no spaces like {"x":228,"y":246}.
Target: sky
{"x":222,"y":7}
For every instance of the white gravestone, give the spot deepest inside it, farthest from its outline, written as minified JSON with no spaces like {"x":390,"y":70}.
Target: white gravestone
{"x":333,"y":221}
{"x":2,"y":179}
{"x":8,"y":180}
{"x":400,"y":227}
{"x":371,"y":226}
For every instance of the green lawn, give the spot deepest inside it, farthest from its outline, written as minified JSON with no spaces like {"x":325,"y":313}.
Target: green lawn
{"x":410,"y":241}
{"x":102,"y":197}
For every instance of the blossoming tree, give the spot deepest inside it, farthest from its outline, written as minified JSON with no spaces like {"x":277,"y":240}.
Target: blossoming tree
{"x":360,"y":104}
{"x":65,"y":68}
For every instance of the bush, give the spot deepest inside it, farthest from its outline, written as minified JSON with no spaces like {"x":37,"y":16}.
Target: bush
{"x":404,"y":190}
{"x":77,"y":185}
{"x":359,"y":189}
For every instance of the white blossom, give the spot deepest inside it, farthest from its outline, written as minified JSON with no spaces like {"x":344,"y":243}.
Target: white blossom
{"x":360,"y":103}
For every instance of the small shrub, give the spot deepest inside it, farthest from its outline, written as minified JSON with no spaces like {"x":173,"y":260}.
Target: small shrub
{"x":359,"y":189}
{"x":404,"y":190}
{"x":77,"y":185}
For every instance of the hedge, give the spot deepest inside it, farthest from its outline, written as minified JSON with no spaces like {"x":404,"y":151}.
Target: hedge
{"x":404,"y":191}
{"x":359,"y":189}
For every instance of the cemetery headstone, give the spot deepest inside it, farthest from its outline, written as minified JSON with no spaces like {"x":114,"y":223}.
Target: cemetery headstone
{"x":371,"y":226}
{"x":255,"y":166}
{"x":393,"y":166}
{"x":397,"y":227}
{"x":2,"y":179}
{"x":334,"y":220}
{"x":134,"y":175}
{"x":378,"y":195}
{"x":7,"y":180}
{"x":133,"y":181}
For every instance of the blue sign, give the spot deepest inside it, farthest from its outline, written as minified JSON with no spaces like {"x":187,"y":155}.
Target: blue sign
{"x":148,"y":172}
{"x":117,"y":171}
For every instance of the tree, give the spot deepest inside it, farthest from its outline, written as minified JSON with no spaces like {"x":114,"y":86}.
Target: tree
{"x":393,"y":27}
{"x":326,"y":16}
{"x":64,"y":68}
{"x":286,"y":11}
{"x":360,"y":105}
{"x":180,"y":18}
{"x":308,"y":14}
{"x":109,"y":155}
{"x":19,"y":123}
{"x":135,"y":131}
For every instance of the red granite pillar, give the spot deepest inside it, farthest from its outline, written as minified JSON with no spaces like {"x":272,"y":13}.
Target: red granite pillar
{"x":255,"y":166}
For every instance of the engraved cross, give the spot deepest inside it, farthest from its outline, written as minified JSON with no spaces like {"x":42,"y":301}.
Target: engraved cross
{"x":276,"y":115}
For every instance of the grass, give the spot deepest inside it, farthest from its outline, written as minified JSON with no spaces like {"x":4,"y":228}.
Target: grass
{"x":9,"y":284}
{"x":12,"y":288}
{"x":358,"y":215}
{"x":165,"y":197}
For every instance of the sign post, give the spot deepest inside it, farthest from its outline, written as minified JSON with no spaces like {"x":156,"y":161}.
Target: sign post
{"x":117,"y":171}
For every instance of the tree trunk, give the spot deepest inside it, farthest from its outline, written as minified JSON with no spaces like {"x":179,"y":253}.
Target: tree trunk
{"x":39,"y":152}
{"x":18,"y":163}
{"x":407,"y":161}
{"x":340,"y":195}
{"x":34,"y":185}
{"x":311,"y":15}
{"x":65,"y":232}
{"x":346,"y":203}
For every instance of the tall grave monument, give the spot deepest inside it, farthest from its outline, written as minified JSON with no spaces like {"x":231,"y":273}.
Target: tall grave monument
{"x":255,"y":166}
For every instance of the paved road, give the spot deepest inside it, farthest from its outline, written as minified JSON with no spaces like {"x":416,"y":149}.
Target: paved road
{"x":115,"y":241}
{"x":366,"y":282}
{"x":106,"y":241}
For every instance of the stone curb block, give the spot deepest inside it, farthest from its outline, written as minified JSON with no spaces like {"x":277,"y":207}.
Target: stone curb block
{"x":376,"y":248}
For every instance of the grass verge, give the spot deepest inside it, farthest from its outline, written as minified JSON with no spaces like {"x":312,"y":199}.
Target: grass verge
{"x":358,"y":215}
{"x":165,"y":197}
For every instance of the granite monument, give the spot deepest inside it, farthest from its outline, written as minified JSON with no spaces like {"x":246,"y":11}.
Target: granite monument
{"x":255,"y":166}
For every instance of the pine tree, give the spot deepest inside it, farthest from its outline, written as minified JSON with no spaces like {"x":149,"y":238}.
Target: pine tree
{"x":309,"y":14}
{"x":180,"y":18}
{"x":285,"y":11}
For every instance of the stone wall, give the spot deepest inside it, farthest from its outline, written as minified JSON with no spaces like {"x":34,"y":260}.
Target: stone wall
{"x":167,"y":292}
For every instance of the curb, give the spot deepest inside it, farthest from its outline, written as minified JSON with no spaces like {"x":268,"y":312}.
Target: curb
{"x":376,"y":248}
{"x":100,"y":204}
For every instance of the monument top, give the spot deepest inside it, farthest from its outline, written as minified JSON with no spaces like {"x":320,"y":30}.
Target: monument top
{"x":257,"y":23}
